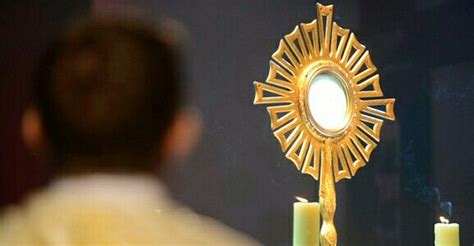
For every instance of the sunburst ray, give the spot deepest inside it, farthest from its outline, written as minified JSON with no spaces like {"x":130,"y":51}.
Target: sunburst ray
{"x":368,"y":106}
{"x":277,"y":95}
{"x":298,"y":150}
{"x":296,"y":42}
{"x":341,"y":169}
{"x":288,"y":133}
{"x":363,"y":143}
{"x":338,"y":40}
{"x":288,"y":111}
{"x":370,"y":82}
{"x":312,"y":160}
{"x":370,"y":68}
{"x":311,"y":38}
{"x":373,"y":131}
{"x":347,"y":59}
{"x":280,"y":77}
{"x":285,"y":58}
{"x":324,"y":14}
{"x":353,"y":157}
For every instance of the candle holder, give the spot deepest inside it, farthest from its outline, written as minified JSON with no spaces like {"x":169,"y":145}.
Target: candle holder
{"x":327,"y":106}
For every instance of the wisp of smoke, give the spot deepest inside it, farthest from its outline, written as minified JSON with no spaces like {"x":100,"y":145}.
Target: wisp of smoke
{"x":414,"y":182}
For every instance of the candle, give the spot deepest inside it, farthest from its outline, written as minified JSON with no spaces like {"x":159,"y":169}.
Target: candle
{"x":446,"y":234}
{"x":305,"y":223}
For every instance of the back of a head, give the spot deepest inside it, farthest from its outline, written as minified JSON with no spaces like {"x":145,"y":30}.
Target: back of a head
{"x":108,"y":86}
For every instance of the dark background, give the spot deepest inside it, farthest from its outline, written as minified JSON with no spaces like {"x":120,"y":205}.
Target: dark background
{"x":424,"y":52}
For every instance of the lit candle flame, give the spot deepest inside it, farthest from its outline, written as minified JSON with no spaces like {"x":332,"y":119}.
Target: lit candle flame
{"x":300,"y":199}
{"x":443,"y":220}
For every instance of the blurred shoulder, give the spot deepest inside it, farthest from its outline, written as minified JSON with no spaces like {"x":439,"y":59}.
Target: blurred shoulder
{"x":77,"y":216}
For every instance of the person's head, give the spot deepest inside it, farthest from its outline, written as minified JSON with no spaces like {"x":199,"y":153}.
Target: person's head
{"x":109,"y":89}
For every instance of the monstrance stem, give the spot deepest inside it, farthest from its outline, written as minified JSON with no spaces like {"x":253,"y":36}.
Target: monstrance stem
{"x":327,"y":198}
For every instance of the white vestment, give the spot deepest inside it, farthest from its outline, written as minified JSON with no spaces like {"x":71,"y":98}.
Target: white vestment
{"x":110,"y":210}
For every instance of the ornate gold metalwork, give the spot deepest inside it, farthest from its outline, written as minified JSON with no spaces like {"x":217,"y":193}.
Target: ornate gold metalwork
{"x":332,"y":155}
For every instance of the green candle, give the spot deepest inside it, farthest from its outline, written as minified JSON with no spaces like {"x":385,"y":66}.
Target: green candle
{"x":446,"y":234}
{"x":305,"y":223}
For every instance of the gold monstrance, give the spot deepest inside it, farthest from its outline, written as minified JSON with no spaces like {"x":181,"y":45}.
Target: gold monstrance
{"x":327,"y":106}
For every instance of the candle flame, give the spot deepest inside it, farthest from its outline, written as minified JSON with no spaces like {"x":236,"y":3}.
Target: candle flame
{"x":443,"y":220}
{"x":300,"y":199}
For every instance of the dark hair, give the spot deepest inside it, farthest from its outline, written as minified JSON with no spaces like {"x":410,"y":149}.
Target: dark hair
{"x":108,"y":86}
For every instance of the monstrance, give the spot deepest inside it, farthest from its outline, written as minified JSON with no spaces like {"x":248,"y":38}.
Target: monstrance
{"x":327,"y":106}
